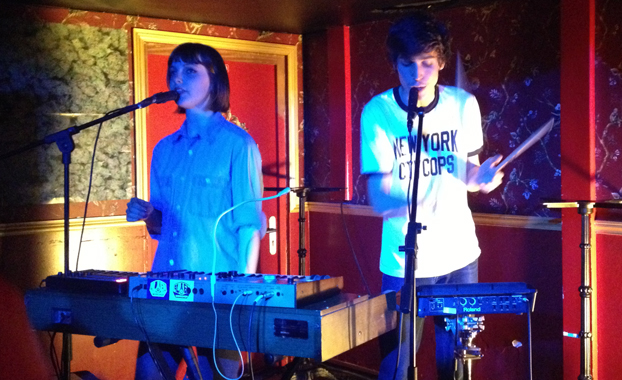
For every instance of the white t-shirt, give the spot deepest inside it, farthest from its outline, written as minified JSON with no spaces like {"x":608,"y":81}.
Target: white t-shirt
{"x":451,"y":133}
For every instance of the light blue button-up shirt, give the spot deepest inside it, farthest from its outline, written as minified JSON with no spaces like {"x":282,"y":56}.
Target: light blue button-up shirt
{"x":193,"y":180}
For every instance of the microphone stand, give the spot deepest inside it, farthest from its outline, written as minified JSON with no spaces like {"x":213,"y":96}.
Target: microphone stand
{"x":408,"y":303}
{"x":65,"y":144}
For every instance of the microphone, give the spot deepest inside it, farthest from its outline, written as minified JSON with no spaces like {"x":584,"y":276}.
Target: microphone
{"x":160,"y":97}
{"x":413,"y":96}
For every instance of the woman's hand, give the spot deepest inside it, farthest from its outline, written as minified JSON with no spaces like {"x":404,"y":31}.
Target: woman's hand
{"x":138,"y":209}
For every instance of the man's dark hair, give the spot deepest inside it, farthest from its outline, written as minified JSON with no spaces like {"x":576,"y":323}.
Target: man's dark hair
{"x":207,"y":56}
{"x":418,"y":33}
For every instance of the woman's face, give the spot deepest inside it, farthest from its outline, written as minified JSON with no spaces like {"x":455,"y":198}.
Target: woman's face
{"x":192,"y":82}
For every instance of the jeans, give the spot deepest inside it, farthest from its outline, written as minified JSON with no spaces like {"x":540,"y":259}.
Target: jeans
{"x":169,"y":356}
{"x":445,"y":340}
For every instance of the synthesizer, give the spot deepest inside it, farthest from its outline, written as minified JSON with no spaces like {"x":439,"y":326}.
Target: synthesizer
{"x":272,"y":290}
{"x":478,"y":298}
{"x":91,"y":281}
{"x":289,"y":291}
{"x":319,"y":331}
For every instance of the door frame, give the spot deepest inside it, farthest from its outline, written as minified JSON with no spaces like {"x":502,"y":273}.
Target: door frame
{"x":147,"y":41}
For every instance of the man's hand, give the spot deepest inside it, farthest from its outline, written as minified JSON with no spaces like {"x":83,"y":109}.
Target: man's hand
{"x":379,"y":193}
{"x":488,"y":177}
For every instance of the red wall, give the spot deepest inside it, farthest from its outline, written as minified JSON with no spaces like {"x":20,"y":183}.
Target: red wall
{"x":609,"y":268}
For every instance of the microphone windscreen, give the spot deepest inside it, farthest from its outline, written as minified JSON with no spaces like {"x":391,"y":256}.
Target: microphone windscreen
{"x":163,"y":97}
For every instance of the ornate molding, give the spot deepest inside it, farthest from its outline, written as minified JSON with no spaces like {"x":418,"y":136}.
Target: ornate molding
{"x":511,"y":221}
{"x":335,"y":208}
{"x":607,"y":227}
{"x":283,"y":57}
{"x":518,"y":221}
{"x":29,"y":228}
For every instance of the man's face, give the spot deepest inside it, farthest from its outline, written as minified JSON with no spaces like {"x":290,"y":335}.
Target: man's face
{"x":420,"y":71}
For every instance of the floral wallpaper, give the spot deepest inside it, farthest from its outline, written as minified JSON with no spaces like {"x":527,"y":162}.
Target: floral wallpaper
{"x":316,"y":136}
{"x":510,"y":53}
{"x":511,"y":56}
{"x":57,"y":76}
{"x":64,"y":68}
{"x":608,"y":100}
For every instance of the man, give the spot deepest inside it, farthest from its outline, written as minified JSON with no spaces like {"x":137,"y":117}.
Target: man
{"x":448,"y":250}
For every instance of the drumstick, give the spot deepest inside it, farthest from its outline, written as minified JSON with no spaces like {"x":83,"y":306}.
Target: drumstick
{"x":535,"y":137}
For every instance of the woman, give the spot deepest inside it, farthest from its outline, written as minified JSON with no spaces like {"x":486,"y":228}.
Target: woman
{"x":198,"y":172}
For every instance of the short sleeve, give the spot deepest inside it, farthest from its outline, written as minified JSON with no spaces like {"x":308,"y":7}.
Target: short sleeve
{"x":376,"y":149}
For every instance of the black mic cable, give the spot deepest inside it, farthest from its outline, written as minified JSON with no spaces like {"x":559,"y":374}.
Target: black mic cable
{"x":413,"y":97}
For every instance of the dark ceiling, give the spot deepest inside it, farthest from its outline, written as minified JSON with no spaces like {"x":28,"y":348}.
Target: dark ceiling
{"x":292,"y":16}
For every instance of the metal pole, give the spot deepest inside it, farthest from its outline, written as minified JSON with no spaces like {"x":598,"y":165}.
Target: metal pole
{"x":302,"y":251}
{"x":585,"y":291}
{"x":66,"y":162}
{"x":66,"y":146}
